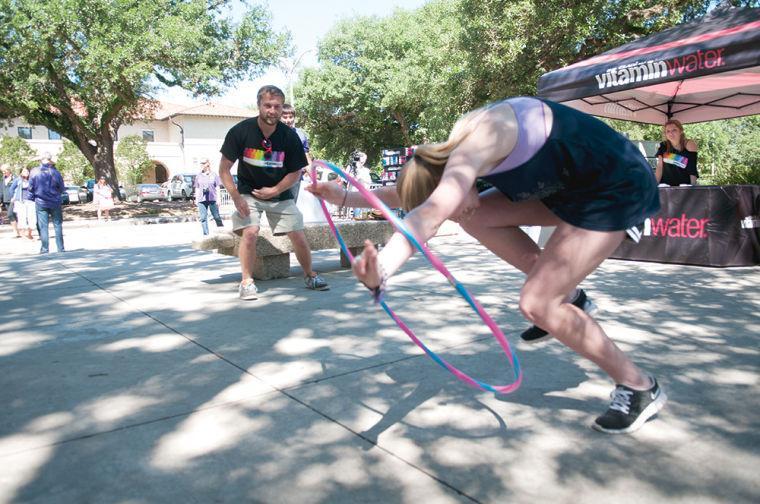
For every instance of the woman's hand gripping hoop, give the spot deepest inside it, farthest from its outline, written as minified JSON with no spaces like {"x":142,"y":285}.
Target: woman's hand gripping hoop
{"x":437,"y":264}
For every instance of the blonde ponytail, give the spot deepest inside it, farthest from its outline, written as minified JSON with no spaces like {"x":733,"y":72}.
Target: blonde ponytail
{"x":422,"y":173}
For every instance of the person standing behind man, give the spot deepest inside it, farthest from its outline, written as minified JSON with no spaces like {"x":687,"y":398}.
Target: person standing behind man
{"x":270,"y":159}
{"x":289,"y":118}
{"x":46,"y":186}
{"x":206,"y":186}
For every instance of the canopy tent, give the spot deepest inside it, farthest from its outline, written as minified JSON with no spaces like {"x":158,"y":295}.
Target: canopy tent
{"x":695,"y":72}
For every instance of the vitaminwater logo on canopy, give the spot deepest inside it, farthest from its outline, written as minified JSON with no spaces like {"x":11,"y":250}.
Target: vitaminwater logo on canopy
{"x":677,"y":227}
{"x":657,"y":69}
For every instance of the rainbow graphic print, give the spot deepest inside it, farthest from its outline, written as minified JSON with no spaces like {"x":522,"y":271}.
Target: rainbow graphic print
{"x":675,"y":159}
{"x":258,"y":157}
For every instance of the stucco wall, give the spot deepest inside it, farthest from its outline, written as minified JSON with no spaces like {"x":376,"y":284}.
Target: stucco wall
{"x":203,"y":137}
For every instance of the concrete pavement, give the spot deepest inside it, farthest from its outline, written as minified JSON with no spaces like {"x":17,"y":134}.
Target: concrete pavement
{"x":130,"y":372}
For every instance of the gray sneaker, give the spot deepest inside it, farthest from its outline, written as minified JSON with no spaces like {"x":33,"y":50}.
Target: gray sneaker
{"x":315,"y":283}
{"x":630,"y":409}
{"x":248,"y":291}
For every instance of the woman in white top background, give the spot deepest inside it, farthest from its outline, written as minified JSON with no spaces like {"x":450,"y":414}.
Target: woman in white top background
{"x":102,"y":196}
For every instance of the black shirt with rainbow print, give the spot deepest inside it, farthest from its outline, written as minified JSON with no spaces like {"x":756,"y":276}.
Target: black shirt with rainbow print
{"x":263,"y":162}
{"x":677,"y":165}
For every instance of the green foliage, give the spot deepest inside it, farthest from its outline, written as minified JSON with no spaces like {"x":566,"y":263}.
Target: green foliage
{"x":405,"y":79}
{"x":16,"y":152}
{"x":132,"y":159}
{"x":729,"y":151}
{"x":84,"y":67}
{"x":73,"y":165}
{"x":636,"y":131}
{"x":382,"y":82}
{"x":513,"y":42}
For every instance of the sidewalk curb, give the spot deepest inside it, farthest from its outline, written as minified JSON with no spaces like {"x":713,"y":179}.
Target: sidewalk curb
{"x":128,"y":221}
{"x":447,"y":228}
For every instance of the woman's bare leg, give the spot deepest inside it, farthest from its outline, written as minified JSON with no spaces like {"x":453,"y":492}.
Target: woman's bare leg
{"x":570,"y":255}
{"x":495,"y":224}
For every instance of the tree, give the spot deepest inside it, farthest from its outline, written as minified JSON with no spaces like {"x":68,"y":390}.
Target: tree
{"x":84,"y":67}
{"x":729,"y":151}
{"x":514,"y":42}
{"x":382,"y":82}
{"x":15,"y":152}
{"x":405,"y":79}
{"x":73,"y":165}
{"x":132,"y":159}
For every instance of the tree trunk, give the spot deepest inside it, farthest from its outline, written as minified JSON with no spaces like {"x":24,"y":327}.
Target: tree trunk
{"x":404,"y":128}
{"x":105,"y":164}
{"x":101,"y":157}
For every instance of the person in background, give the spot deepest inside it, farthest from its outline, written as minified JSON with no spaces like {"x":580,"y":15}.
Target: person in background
{"x":6,"y":198}
{"x":46,"y":186}
{"x":23,"y":205}
{"x":102,"y":196}
{"x":270,"y":160}
{"x":360,"y":172}
{"x":676,"y":157}
{"x":206,"y":188}
{"x":289,"y":118}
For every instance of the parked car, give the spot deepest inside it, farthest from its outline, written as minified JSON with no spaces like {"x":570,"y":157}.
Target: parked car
{"x":76,"y":194}
{"x":65,"y":198}
{"x":180,"y":186}
{"x":146,"y":192}
{"x":88,"y":186}
{"x":165,"y":188}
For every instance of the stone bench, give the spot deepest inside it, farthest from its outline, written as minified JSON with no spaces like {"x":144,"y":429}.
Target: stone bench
{"x":273,"y":252}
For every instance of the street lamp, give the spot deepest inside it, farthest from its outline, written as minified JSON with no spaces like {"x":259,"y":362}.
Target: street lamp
{"x":291,"y":71}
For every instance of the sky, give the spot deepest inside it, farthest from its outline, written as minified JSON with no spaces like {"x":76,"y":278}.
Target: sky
{"x":308,"y":21}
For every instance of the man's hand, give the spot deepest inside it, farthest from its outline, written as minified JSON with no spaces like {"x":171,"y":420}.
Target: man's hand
{"x":265,"y":193}
{"x":241,"y":206}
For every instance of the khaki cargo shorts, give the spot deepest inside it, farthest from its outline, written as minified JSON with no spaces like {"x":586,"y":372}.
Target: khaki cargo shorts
{"x":283,"y":216}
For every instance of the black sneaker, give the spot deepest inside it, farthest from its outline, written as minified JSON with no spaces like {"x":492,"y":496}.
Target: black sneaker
{"x":535,"y":334}
{"x":630,"y":409}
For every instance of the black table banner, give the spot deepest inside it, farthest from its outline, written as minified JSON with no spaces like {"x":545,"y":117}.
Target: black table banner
{"x":703,"y":226}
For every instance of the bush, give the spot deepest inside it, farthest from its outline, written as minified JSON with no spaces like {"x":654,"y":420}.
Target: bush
{"x":132,"y":160}
{"x":73,"y":165}
{"x":734,"y":174}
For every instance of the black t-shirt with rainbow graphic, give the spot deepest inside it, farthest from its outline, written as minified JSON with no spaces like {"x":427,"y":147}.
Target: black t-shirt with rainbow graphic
{"x":677,"y":165}
{"x":263,"y":162}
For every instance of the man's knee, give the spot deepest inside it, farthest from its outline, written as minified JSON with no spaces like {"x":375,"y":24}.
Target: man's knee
{"x":249,"y":235}
{"x":298,"y":238}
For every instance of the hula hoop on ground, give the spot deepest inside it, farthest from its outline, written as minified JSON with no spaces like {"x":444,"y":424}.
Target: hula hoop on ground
{"x":437,"y":264}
